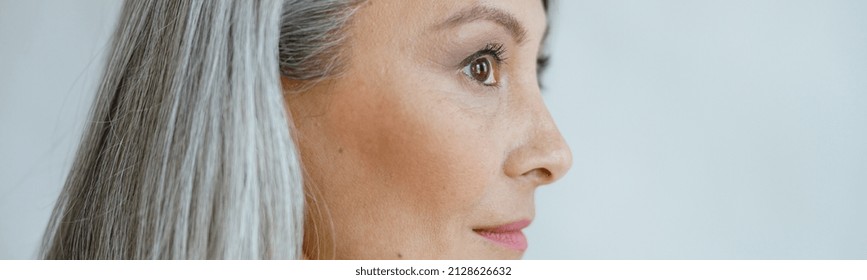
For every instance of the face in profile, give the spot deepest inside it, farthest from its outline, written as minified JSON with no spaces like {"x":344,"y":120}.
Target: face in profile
{"x":433,"y":140}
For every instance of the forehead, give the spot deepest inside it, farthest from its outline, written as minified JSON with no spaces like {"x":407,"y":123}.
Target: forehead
{"x":418,"y":16}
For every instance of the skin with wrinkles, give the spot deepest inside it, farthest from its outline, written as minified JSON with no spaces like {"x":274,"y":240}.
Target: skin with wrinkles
{"x":405,"y":155}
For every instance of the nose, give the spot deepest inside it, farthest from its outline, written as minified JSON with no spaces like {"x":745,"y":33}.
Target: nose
{"x":541,"y":155}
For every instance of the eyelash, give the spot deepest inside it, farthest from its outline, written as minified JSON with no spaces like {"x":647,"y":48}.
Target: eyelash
{"x":541,"y":65}
{"x":496,"y":51}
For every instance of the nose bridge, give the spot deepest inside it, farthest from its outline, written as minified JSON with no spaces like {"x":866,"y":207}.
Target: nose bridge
{"x":543,"y":153}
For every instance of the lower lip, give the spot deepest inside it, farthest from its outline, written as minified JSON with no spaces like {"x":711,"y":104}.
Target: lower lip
{"x":509,"y":239}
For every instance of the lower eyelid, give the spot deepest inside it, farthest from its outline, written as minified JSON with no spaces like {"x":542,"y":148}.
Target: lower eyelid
{"x":475,"y":85}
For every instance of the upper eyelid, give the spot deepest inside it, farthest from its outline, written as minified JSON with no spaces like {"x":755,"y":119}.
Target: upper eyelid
{"x":499,"y":54}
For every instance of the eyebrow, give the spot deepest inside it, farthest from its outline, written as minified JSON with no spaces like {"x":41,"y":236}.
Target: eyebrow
{"x":503,"y":18}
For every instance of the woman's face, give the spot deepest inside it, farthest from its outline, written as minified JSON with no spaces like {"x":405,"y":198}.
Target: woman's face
{"x":432,"y":141}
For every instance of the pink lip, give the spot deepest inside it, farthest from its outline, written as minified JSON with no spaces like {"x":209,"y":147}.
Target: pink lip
{"x":508,"y":235}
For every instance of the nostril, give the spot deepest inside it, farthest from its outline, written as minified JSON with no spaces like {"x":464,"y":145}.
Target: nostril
{"x":542,"y":174}
{"x":547,"y":173}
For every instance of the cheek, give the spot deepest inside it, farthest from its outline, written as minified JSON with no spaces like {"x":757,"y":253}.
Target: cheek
{"x":428,"y":159}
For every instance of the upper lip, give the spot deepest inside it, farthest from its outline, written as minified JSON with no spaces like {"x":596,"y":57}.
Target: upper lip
{"x":508,"y":227}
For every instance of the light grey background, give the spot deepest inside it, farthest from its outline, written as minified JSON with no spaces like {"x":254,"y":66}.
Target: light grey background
{"x":700,"y":129}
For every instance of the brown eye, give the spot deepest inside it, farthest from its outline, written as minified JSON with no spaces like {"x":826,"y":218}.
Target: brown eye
{"x":482,"y":70}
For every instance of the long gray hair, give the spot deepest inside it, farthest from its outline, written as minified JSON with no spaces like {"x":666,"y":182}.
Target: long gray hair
{"x":189,"y":153}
